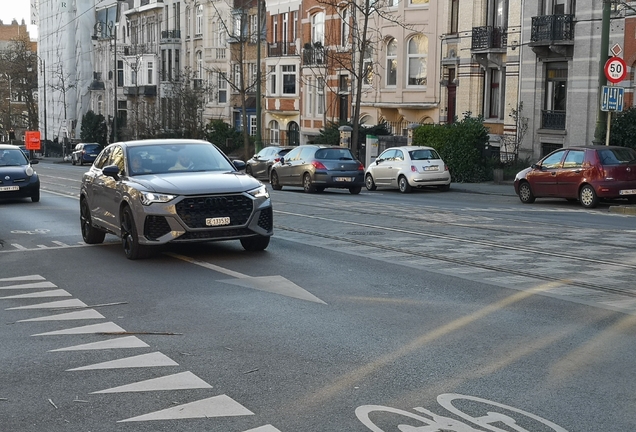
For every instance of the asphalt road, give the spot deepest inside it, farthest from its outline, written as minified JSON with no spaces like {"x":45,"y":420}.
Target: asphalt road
{"x":379,"y":312}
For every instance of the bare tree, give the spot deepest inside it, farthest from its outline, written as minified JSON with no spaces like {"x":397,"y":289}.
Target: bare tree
{"x":18,"y":65}
{"x":512,"y":142}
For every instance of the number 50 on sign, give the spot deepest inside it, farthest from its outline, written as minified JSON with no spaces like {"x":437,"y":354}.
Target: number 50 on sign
{"x":615,"y":70}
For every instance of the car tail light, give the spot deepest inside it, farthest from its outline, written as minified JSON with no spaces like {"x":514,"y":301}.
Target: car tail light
{"x":360,"y":166}
{"x":83,"y":151}
{"x":319,"y":165}
{"x":445,"y":167}
{"x":413,"y":168}
{"x":276,"y":159}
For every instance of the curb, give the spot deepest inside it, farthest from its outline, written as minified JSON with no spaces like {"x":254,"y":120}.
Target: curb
{"x":623,"y":209}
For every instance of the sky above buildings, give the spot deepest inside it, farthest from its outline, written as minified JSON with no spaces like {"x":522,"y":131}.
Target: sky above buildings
{"x":19,"y":10}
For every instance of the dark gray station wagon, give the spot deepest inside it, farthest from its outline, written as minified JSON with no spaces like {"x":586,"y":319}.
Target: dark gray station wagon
{"x":154,"y":192}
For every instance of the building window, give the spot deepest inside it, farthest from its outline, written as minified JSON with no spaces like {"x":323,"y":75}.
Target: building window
{"x":392,"y":3}
{"x":274,"y":28}
{"x":199,"y":21}
{"x":100,"y":105}
{"x":294,"y":25}
{"x":122,"y":113}
{"x":494,"y":93}
{"x":237,"y":75}
{"x":418,"y":2}
{"x":318,"y":28}
{"x":320,"y":96}
{"x":454,"y":16}
{"x":177,"y":68}
{"x":252,"y":125}
{"x":272,"y":80}
{"x":133,"y":77}
{"x":252,"y":76}
{"x":417,"y":56}
{"x":163,"y":65}
{"x":199,"y":70}
{"x":274,"y":132}
{"x":150,"y":73}
{"x":120,"y":73}
{"x":253,"y":28}
{"x":368,"y":66}
{"x":553,"y":116}
{"x":344,"y":27}
{"x":310,"y":96}
{"x":285,"y":26}
{"x":391,"y":63}
{"x":222,"y":85}
{"x":188,"y":21}
{"x":289,"y":79}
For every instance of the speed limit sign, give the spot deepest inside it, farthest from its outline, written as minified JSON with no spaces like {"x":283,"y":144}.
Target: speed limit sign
{"x":615,"y":70}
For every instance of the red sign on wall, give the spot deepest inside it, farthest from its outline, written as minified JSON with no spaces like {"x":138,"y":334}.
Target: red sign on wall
{"x":32,"y":140}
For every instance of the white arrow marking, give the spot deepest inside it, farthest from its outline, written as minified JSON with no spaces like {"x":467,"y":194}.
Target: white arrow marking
{"x":77,"y":315}
{"x":75,"y":303}
{"x":124,"y":342}
{"x":155,"y":359}
{"x":276,"y":285}
{"x":273,"y":284}
{"x":179,"y":381}
{"x":93,"y":328}
{"x":23,"y":278}
{"x":217,"y":406}
{"x":266,"y":428}
{"x":51,"y":293}
{"x":30,"y":285}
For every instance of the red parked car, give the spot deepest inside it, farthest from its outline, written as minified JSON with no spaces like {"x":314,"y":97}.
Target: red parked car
{"x":586,"y":173}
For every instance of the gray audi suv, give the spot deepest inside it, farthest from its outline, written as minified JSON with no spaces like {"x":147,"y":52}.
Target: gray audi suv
{"x":154,"y":192}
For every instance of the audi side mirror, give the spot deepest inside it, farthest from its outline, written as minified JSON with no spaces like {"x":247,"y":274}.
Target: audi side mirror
{"x":239,"y":164}
{"x":111,"y":171}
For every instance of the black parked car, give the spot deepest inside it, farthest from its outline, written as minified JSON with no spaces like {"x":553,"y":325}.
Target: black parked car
{"x":17,"y":177}
{"x":317,"y":167}
{"x":85,"y":153}
{"x":260,"y":165}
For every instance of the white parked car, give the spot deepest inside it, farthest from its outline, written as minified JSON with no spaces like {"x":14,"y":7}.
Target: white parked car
{"x":406,"y":168}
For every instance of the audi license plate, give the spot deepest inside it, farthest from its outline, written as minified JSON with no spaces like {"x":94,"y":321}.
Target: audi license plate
{"x":627,"y":192}
{"x":9,"y":188}
{"x":344,"y":179}
{"x":217,"y":221}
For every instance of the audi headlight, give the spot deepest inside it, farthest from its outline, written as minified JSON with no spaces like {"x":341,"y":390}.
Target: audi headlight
{"x":148,"y":198}
{"x":259,"y":192}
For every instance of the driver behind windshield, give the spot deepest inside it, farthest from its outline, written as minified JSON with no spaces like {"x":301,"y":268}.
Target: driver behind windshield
{"x":184,"y":162}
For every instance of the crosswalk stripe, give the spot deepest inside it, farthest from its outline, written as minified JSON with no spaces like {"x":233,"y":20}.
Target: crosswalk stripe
{"x":179,"y":381}
{"x":29,"y":285}
{"x":123,"y":342}
{"x":217,"y":406}
{"x":155,"y":359}
{"x":40,"y":294}
{"x":108,"y":327}
{"x":23,"y":278}
{"x":77,"y":315}
{"x":266,"y":428}
{"x":74,"y":303}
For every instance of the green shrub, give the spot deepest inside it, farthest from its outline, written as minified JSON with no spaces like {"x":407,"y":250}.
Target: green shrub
{"x":461,"y":145}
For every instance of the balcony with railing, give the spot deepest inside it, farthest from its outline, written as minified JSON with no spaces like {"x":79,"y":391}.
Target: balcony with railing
{"x":281,"y":49}
{"x":552,"y":30}
{"x":170,"y":36}
{"x":314,"y":56}
{"x":553,"y":120}
{"x":489,"y":38}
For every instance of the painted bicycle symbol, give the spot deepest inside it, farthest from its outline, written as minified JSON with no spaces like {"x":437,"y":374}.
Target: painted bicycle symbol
{"x":493,"y":413}
{"x":35,"y":231}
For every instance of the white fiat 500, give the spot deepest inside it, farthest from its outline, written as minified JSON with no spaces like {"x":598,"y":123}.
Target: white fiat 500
{"x":408,"y":167}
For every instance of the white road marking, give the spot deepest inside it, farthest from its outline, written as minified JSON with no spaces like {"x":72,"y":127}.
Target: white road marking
{"x":42,"y":246}
{"x":17,"y":246}
{"x":59,"y":243}
{"x":30,"y":285}
{"x":40,"y":294}
{"x":23,"y":278}
{"x":124,"y":342}
{"x":266,"y":428}
{"x":179,"y":381}
{"x":155,"y":359}
{"x":273,"y":284}
{"x":276,"y":285}
{"x":77,"y":315}
{"x":93,"y":328}
{"x":217,"y":406}
{"x":75,"y":303}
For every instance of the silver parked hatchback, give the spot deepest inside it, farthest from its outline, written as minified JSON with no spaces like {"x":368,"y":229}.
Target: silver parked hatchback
{"x":154,"y":192}
{"x":406,"y":168}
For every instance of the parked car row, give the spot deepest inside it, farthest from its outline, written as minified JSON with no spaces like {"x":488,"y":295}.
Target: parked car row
{"x":318,"y":167}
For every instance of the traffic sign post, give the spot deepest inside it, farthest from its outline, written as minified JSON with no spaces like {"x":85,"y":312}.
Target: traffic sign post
{"x":615,"y":72}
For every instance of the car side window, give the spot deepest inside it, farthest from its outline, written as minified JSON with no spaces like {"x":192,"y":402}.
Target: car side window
{"x":292,"y":155}
{"x":388,"y":155}
{"x":117,"y":158}
{"x":574,"y":159}
{"x":399,"y":156}
{"x":100,"y":162}
{"x":307,"y":153}
{"x":553,"y":161}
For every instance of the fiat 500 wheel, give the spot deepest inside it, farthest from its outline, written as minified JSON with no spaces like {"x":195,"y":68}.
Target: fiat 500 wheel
{"x":404,"y":185}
